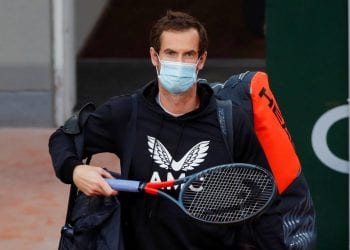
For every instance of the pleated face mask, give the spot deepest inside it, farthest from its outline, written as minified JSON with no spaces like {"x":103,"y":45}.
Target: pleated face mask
{"x":177,"y":77}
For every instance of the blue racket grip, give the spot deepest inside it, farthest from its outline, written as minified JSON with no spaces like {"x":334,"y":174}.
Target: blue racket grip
{"x":124,"y":185}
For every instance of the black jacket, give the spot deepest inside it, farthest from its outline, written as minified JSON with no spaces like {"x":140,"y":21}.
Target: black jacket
{"x":159,"y":152}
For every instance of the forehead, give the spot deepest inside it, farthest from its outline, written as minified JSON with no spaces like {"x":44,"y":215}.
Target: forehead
{"x":185,"y":40}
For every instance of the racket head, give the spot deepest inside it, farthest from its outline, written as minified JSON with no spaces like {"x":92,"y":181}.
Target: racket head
{"x":228,"y":194}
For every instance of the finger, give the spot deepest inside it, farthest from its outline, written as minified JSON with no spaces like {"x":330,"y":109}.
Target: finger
{"x":106,"y":174}
{"x":90,"y":180}
{"x":107,"y":187}
{"x":107,"y":190}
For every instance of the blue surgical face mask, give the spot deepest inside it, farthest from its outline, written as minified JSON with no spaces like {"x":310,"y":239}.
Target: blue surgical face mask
{"x":177,"y":77}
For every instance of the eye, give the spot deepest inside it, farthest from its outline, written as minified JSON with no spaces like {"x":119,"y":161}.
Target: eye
{"x":190,"y":54}
{"x":170,"y":53}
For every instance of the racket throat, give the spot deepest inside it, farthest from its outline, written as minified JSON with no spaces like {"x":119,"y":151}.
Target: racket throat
{"x":153,"y":187}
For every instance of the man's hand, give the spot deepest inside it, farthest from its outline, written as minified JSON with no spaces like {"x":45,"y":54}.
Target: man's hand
{"x":90,"y":180}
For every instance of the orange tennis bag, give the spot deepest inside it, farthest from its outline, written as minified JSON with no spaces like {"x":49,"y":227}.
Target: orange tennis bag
{"x":251,"y":92}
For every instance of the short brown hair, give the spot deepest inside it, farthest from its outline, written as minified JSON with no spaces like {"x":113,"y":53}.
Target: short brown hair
{"x":178,"y":21}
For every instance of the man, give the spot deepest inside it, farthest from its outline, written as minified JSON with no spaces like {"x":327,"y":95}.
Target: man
{"x":175,"y":116}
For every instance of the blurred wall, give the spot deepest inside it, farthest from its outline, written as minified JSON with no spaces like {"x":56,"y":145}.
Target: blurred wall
{"x":307,"y":60}
{"x":87,"y":14}
{"x":25,"y":63}
{"x":26,"y":54}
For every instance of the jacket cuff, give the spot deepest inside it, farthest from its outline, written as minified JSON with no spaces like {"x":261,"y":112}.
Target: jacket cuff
{"x":67,"y":171}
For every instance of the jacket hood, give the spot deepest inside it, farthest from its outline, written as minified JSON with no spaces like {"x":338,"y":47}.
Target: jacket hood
{"x":206,"y":96}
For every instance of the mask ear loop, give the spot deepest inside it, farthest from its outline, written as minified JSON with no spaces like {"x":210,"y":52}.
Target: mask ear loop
{"x":197,"y":70}
{"x":158,"y":71}
{"x":199,"y":59}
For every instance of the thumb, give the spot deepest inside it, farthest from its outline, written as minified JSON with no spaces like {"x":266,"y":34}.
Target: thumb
{"x":106,"y":174}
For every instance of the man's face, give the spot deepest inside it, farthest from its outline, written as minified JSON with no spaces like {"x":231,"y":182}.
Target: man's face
{"x":179,"y":46}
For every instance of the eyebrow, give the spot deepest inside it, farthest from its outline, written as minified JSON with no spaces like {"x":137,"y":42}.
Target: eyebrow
{"x":168,"y":50}
{"x":191,"y":52}
{"x":186,"y":52}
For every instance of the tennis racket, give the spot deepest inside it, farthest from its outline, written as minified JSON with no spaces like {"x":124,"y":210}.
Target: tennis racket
{"x":225,"y":194}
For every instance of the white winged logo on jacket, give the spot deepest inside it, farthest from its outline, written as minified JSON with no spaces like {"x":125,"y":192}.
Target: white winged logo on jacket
{"x":163,"y":158}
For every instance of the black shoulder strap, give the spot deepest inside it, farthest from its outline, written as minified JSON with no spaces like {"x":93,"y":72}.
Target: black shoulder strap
{"x":126,"y":162}
{"x":226,"y":94}
{"x":224,"y":112}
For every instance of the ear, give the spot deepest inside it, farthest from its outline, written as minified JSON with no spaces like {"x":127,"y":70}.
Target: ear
{"x":202,"y":60}
{"x":154,"y":57}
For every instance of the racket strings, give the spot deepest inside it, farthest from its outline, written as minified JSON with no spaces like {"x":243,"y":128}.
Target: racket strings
{"x":228,"y":195}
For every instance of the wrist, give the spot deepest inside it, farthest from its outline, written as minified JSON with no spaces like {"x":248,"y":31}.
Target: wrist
{"x":69,"y":166}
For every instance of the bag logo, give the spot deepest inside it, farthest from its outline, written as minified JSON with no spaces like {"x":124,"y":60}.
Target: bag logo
{"x":276,"y":111}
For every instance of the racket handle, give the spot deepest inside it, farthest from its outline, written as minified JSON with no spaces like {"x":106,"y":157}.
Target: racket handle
{"x":124,"y":185}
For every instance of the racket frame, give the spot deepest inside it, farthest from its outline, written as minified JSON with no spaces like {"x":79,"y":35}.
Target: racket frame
{"x":196,"y":176}
{"x":154,"y":188}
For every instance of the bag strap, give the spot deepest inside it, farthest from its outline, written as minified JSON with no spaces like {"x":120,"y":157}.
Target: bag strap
{"x":130,"y":139}
{"x":224,"y":112}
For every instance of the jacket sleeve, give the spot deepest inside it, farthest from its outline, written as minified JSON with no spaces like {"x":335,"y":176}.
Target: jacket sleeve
{"x":100,"y":133}
{"x":63,"y":155}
